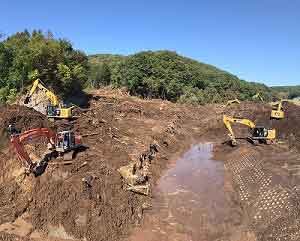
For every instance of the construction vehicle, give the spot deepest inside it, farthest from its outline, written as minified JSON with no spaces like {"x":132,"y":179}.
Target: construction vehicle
{"x":230,"y":102}
{"x":62,"y":143}
{"x":55,"y":109}
{"x":257,"y":133}
{"x":277,"y":109}
{"x":258,"y":96}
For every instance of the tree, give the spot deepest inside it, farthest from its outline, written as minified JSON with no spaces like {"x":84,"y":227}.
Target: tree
{"x":167,"y":75}
{"x":102,"y":76}
{"x":25,"y":56}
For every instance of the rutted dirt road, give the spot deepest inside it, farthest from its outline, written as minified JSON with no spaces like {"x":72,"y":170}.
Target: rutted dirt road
{"x":119,"y":130}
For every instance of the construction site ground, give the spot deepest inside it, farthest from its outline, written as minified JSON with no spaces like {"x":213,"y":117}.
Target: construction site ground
{"x":243,"y":193}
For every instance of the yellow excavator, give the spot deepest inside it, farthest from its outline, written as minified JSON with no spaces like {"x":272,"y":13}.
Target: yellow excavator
{"x":258,"y":133}
{"x":55,"y":109}
{"x":258,"y":96}
{"x":277,"y":109}
{"x":230,"y":102}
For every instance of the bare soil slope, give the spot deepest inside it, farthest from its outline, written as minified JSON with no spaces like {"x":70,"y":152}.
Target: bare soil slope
{"x":118,"y":130}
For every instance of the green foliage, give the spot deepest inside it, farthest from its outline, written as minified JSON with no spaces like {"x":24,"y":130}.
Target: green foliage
{"x":167,"y":75}
{"x":289,"y":92}
{"x":33,"y":75}
{"x":26,"y":56}
{"x":11,"y":97}
{"x":4,"y":92}
{"x":100,"y":75}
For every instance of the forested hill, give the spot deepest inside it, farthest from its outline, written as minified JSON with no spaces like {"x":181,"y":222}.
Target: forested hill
{"x":167,"y":75}
{"x":290,"y":92}
{"x":25,"y":56}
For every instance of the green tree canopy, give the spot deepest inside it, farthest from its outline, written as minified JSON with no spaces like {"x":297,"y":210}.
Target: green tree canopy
{"x":24,"y":56}
{"x":167,"y":75}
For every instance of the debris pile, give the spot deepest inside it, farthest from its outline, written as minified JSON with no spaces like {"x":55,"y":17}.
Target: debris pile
{"x":102,"y":193}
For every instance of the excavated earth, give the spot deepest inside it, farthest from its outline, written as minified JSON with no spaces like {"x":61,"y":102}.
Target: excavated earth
{"x":118,"y":130}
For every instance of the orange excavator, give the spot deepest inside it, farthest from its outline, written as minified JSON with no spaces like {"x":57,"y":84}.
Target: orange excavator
{"x":62,"y":143}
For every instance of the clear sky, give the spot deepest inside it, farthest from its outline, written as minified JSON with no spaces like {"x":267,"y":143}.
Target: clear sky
{"x":258,"y":40}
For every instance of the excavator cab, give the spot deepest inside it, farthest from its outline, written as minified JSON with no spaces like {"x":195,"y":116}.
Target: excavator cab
{"x":59,"y":112}
{"x":263,"y":134}
{"x":12,"y":130}
{"x":52,"y":111}
{"x":259,"y":132}
{"x":66,"y":141}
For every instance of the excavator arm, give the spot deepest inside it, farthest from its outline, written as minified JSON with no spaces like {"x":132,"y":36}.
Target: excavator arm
{"x":258,"y":96}
{"x":229,"y":102}
{"x":38,"y":85}
{"x":18,"y":143}
{"x":228,"y":120}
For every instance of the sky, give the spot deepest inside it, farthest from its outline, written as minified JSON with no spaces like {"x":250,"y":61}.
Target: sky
{"x":257,"y":40}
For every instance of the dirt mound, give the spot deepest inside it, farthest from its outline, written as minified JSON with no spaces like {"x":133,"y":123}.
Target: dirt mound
{"x":23,"y":117}
{"x":87,"y":199}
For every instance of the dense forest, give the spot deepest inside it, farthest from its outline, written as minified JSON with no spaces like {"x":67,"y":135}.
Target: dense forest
{"x":26,"y":56}
{"x":167,"y":75}
{"x":289,"y":92}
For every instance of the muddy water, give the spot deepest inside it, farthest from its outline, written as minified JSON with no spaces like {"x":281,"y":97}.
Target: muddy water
{"x":189,"y":201}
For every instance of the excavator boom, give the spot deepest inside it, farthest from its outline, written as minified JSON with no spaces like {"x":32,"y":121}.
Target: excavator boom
{"x":228,"y":120}
{"x":54,"y":100}
{"x":229,"y":102}
{"x":258,"y":96}
{"x":18,"y":142}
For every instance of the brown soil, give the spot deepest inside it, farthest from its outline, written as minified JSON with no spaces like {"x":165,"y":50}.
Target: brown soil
{"x":118,"y":130}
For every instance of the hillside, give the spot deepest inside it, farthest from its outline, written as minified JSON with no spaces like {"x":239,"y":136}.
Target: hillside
{"x":167,"y":75}
{"x":26,"y":56}
{"x":290,"y":92}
